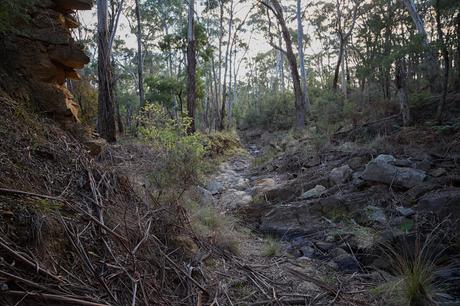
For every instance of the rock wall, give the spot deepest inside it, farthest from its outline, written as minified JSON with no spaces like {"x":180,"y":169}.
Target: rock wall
{"x":42,"y":55}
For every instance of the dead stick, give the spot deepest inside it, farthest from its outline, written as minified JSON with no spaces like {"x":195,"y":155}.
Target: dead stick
{"x":53,"y":297}
{"x":27,"y":261}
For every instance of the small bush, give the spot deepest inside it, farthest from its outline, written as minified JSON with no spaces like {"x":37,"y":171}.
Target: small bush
{"x":180,"y":157}
{"x":272,"y":248}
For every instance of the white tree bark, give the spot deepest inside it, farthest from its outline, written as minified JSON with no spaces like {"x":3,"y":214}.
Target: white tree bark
{"x":303,"y":73}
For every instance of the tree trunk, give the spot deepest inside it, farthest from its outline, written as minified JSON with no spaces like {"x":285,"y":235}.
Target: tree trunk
{"x":223,"y":123}
{"x":430,"y":66}
{"x":191,"y":67}
{"x":458,"y":51}
{"x":400,"y":82}
{"x":445,"y":55}
{"x":303,"y":73}
{"x":335,"y":82}
{"x":299,"y":98}
{"x":106,"y":117}
{"x":140,"y":61}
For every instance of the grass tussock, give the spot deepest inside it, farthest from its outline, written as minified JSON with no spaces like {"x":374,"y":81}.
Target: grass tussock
{"x":421,"y":268}
{"x":272,"y":248}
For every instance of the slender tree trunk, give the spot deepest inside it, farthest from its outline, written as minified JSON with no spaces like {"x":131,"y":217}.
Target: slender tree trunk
{"x":400,"y":82}
{"x":335,"y":82}
{"x":221,"y":39}
{"x":106,"y":117}
{"x":223,"y":123}
{"x":140,"y":60}
{"x":191,"y":67}
{"x":445,"y":55}
{"x":430,"y":66}
{"x":299,"y":98}
{"x":303,"y":73}
{"x":458,"y":51}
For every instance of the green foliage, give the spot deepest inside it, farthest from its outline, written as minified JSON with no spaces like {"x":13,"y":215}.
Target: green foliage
{"x":416,"y":266}
{"x":180,"y":160}
{"x":161,"y":89}
{"x":86,"y":96}
{"x":272,"y":248}
{"x":273,"y":111}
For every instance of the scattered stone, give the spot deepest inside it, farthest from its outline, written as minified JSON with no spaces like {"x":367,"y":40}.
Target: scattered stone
{"x":443,"y":203}
{"x":438,"y":172}
{"x":340,"y":175}
{"x":384,"y":158}
{"x":405,"y":211}
{"x":307,"y":251}
{"x":346,"y":263}
{"x":419,"y":190}
{"x":356,"y":162}
{"x":357,"y":181}
{"x":375,"y":214}
{"x":206,"y":196}
{"x":214,"y":187}
{"x":233,"y":198}
{"x":380,"y":170}
{"x":324,"y":246}
{"x":314,"y":192}
{"x":266,"y":182}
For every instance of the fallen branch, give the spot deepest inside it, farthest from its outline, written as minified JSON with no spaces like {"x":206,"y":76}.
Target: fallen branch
{"x":52,"y":297}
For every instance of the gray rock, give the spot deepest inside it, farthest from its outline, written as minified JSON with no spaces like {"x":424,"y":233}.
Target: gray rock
{"x":388,"y":159}
{"x":405,"y":211}
{"x":307,"y":251}
{"x":206,"y":196}
{"x":346,"y":263}
{"x":287,"y":219}
{"x":340,"y":175}
{"x":314,"y":192}
{"x":443,"y":203}
{"x":380,"y":170}
{"x":376,"y":214}
{"x":438,"y":172}
{"x":233,"y":198}
{"x":214,"y":187}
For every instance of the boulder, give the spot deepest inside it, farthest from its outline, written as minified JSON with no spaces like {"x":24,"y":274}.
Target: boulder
{"x":314,"y":192}
{"x":206,"y":196}
{"x":287,"y":220}
{"x":233,"y":198}
{"x":346,"y":263}
{"x":340,"y":175}
{"x":385,"y":158}
{"x":382,"y":170}
{"x":443,"y":203}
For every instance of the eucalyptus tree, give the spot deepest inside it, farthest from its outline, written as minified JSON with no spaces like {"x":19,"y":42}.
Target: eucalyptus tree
{"x":274,"y":7}
{"x":191,"y":66}
{"x":106,"y":116}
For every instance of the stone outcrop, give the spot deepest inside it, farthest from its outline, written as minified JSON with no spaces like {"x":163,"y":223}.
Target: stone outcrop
{"x":42,"y":55}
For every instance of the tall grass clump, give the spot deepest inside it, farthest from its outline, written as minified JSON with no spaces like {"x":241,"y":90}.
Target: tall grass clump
{"x":421,"y":267}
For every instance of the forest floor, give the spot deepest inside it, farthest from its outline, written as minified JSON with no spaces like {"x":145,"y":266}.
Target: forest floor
{"x":322,"y":226}
{"x":267,"y":272}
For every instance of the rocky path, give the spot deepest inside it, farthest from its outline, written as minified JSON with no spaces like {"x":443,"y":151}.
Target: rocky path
{"x":269,"y":270}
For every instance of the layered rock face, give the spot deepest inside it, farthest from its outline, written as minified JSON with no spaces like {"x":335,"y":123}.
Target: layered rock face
{"x":43,"y":54}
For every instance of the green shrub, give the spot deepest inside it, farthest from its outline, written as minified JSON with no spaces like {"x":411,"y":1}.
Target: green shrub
{"x":273,"y":111}
{"x":180,"y":157}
